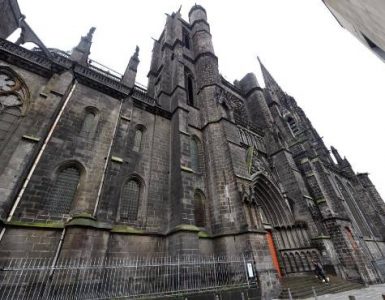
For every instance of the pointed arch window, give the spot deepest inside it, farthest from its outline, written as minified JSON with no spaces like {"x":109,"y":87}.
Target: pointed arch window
{"x":189,"y":85}
{"x":89,"y":122}
{"x":129,"y":203}
{"x":355,"y":211}
{"x":196,"y":155}
{"x":293,"y":125}
{"x":186,"y":38}
{"x":63,"y":191}
{"x":138,"y":140}
{"x":8,"y":118}
{"x":199,"y":209}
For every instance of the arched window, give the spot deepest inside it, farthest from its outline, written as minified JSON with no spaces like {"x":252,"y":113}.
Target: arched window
{"x":89,"y":122}
{"x":63,"y":191}
{"x":8,"y":119}
{"x":189,"y":85}
{"x":129,"y":201}
{"x":186,"y":38}
{"x":225,"y":111}
{"x":195,"y":154}
{"x":293,"y":125}
{"x":199,"y":209}
{"x":138,"y":140}
{"x":355,"y":211}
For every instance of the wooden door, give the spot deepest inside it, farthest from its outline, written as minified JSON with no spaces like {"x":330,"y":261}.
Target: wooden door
{"x":273,"y":252}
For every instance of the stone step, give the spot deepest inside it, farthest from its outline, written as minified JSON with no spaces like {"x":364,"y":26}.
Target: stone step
{"x":301,"y":287}
{"x":326,"y":287}
{"x":309,"y":287}
{"x":319,"y":291}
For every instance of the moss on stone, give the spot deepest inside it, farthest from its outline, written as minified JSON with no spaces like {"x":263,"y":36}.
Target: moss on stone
{"x":87,"y":221}
{"x":84,"y":214}
{"x":320,"y":200}
{"x":187,"y":169}
{"x":203,"y":235}
{"x":126,"y":229}
{"x":31,"y":138}
{"x":37,"y":224}
{"x":116,"y":159}
{"x":184,"y":227}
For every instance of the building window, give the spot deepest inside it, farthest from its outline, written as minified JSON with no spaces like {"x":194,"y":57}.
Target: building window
{"x":89,"y":122}
{"x":186,"y":38}
{"x":293,"y":126}
{"x":199,"y":209}
{"x":138,"y":140}
{"x":8,"y":119}
{"x":196,"y":155}
{"x":130,"y":201}
{"x":63,"y":191}
{"x":189,"y":85}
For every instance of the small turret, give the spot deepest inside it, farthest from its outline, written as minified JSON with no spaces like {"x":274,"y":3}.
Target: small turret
{"x":258,"y":110}
{"x":81,"y":52}
{"x":197,"y":12}
{"x":249,"y":83}
{"x":132,"y":67}
{"x":203,"y":48}
{"x":336,"y":155}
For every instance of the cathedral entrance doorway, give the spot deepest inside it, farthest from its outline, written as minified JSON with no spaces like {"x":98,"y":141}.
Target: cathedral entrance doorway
{"x":287,"y":240}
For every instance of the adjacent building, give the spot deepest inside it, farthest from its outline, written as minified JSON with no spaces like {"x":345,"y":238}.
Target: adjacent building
{"x":92,"y":165}
{"x":365,"y":19}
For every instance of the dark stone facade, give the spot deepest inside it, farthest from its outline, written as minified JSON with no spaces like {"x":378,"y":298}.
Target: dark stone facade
{"x":194,"y":165}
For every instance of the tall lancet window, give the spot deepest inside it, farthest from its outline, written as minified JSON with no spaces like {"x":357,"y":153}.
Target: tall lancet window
{"x":293,"y":125}
{"x":186,"y":38}
{"x":63,"y":191}
{"x":138,"y":140}
{"x":189,"y":85}
{"x":196,"y":155}
{"x":89,"y":122}
{"x":199,"y":209}
{"x":129,"y":202}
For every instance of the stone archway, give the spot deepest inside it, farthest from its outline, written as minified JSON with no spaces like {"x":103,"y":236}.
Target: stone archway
{"x":286,"y":239}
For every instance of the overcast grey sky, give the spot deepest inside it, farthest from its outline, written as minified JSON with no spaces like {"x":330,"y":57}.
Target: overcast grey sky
{"x":335,"y":79}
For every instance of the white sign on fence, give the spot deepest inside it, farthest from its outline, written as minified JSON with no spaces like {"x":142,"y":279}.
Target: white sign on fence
{"x":250,"y":270}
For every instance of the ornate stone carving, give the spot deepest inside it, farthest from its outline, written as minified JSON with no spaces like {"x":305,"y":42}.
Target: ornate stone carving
{"x":13,"y":91}
{"x":248,"y":195}
{"x":232,"y":102}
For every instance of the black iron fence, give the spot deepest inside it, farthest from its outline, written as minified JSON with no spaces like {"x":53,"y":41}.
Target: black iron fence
{"x":101,"y":278}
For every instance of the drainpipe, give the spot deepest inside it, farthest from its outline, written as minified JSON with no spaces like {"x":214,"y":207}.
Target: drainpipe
{"x":38,"y":157}
{"x":57,"y":252}
{"x":107,"y":161}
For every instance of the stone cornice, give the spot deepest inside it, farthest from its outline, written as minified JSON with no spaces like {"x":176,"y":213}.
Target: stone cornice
{"x":36,"y":62}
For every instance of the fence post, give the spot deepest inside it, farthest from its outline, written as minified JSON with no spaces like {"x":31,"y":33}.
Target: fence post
{"x":314,"y":292}
{"x":215,"y":271}
{"x":246,"y":271}
{"x":178,"y":283}
{"x":289,"y":294}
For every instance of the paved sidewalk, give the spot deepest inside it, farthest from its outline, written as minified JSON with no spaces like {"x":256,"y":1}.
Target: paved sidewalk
{"x":373,"y":292}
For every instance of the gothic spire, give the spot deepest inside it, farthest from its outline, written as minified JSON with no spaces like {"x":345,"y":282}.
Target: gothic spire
{"x":336,"y":155}
{"x":270,"y":82}
{"x":132,"y":67}
{"x":81,"y":52}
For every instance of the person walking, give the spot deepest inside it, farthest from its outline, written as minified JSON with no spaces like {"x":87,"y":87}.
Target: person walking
{"x":319,"y":271}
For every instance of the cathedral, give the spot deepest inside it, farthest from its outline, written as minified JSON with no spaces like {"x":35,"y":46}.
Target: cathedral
{"x":93,"y":165}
